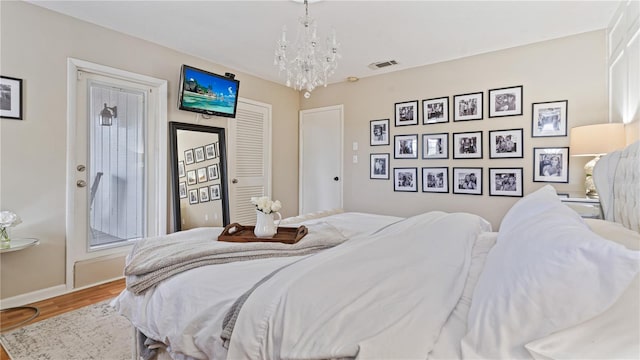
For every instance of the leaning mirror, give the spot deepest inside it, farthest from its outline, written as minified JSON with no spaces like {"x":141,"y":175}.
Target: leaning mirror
{"x":199,"y":176}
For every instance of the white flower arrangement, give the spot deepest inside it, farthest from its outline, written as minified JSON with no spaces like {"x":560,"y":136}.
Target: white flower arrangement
{"x":7,"y":219}
{"x":266,"y":205}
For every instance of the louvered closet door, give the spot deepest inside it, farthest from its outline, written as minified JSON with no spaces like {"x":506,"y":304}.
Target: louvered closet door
{"x":250,"y":159}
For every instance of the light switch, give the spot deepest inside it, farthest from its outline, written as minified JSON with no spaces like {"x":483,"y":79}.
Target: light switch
{"x":355,"y":159}
{"x":355,"y":146}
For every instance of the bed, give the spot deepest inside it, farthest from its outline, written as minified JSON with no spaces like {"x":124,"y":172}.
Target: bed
{"x":547,"y":285}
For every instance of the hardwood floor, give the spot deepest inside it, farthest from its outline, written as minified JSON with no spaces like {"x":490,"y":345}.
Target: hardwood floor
{"x":60,"y":304}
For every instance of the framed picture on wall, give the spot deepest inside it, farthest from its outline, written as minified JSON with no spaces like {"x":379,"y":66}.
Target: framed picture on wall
{"x":181,"y":172}
{"x":191,"y":177}
{"x":202,"y":175}
{"x":188,"y":157}
{"x":213,"y":171}
{"x":405,"y":179}
{"x":467,"y":107}
{"x":379,"y":166}
{"x":193,"y":196}
{"x":549,"y":118}
{"x":210,"y":151}
{"x":505,"y":101}
{"x":182,"y":190}
{"x":467,"y":181}
{"x":435,"y":110}
{"x":407,"y":113}
{"x":435,"y":179}
{"x":379,"y":131}
{"x":505,"y":144}
{"x":467,"y":145}
{"x":505,"y":182}
{"x":551,"y":164}
{"x":204,"y":194}
{"x":435,"y":146}
{"x":199,"y":153}
{"x":215,"y":192}
{"x":10,"y":98}
{"x":405,"y":146}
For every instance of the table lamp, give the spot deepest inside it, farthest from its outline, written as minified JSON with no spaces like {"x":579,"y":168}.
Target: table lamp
{"x":595,"y":140}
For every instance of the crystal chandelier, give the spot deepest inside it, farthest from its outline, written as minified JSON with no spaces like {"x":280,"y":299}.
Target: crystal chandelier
{"x":306,"y":63}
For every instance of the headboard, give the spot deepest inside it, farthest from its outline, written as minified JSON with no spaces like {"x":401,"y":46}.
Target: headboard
{"x":617,"y":179}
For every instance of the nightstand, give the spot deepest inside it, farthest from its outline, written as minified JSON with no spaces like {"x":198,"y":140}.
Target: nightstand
{"x":587,"y":207}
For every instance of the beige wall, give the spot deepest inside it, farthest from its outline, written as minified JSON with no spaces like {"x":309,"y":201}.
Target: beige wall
{"x":35,"y":46}
{"x":571,"y":68}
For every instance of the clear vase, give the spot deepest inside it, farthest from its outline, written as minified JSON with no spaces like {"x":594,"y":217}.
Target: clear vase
{"x":266,"y":227}
{"x":5,"y":238}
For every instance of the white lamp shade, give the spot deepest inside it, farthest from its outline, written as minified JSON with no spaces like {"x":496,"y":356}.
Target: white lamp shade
{"x":595,"y":140}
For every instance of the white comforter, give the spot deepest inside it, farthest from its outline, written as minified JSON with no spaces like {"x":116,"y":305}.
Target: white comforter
{"x":381,"y":296}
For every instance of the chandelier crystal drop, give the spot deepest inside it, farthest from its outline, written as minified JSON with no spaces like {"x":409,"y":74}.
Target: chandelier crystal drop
{"x":306,"y":63}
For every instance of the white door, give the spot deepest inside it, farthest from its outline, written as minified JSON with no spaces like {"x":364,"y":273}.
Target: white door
{"x":321,"y":156}
{"x":249,"y":163}
{"x":117,"y":161}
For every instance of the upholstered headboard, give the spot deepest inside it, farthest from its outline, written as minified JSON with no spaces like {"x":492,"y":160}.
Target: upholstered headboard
{"x":617,"y":178}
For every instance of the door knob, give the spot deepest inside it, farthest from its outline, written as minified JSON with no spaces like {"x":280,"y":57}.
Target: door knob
{"x":336,"y":178}
{"x":235,"y":181}
{"x":81,"y":183}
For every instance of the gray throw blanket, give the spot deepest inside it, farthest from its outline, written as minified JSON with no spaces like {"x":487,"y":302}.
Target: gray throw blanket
{"x":155,"y":259}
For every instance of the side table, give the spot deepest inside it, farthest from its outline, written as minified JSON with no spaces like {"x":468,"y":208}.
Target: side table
{"x":15,"y":245}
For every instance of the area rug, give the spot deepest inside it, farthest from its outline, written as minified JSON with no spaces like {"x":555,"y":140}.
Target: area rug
{"x":92,"y":332}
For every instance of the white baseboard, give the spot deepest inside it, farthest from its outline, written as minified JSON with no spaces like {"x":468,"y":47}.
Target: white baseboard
{"x":23,"y":299}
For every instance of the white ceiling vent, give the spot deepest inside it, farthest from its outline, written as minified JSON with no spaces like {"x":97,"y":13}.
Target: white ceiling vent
{"x":382,"y":64}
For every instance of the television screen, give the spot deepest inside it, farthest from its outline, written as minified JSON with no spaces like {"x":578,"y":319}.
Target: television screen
{"x":207,"y":93}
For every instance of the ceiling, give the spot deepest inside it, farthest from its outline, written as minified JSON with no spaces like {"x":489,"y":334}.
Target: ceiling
{"x":241,"y":35}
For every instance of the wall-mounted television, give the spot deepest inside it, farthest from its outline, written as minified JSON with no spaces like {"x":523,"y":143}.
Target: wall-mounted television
{"x":208,"y":93}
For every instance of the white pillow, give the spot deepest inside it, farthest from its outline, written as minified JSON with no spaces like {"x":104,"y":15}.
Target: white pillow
{"x":547,"y":271}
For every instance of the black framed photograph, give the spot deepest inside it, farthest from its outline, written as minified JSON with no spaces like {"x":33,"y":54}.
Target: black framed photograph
{"x":215,"y":192}
{"x":379,"y":166}
{"x":505,"y":101}
{"x":199,"y":153}
{"x":505,"y":144}
{"x":505,"y":182}
{"x":182,"y":190}
{"x":435,"y":146}
{"x":405,"y":179}
{"x":549,"y":118}
{"x":467,"y":145}
{"x":435,"y":179}
{"x":379,"y":130}
{"x":193,"y":196}
{"x":202,"y":175}
{"x":181,"y":172}
{"x":10,"y":98}
{"x":467,"y":106}
{"x":467,"y":181}
{"x":191,"y":177}
{"x":407,"y":113}
{"x":213,"y":171}
{"x":551,"y":164}
{"x":435,"y":110}
{"x":405,"y":146}
{"x":210,"y":151}
{"x":204,"y":194}
{"x":188,"y":157}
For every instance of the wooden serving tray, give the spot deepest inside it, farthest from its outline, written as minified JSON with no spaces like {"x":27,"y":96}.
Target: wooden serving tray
{"x":240,"y":233}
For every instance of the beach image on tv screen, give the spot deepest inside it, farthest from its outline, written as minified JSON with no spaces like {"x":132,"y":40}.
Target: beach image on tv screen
{"x":209,"y":93}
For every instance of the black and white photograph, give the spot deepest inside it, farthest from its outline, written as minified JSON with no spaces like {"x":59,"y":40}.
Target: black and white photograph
{"x":505,"y":182}
{"x":213,"y":171}
{"x":191,"y":177}
{"x":435,"y":110}
{"x":467,"y":145}
{"x":405,"y":179}
{"x":407,"y":113}
{"x":435,"y":179}
{"x":467,"y":181}
{"x":505,"y":101}
{"x":379,"y":130}
{"x":551,"y":164}
{"x":217,"y":146}
{"x":210,"y":151}
{"x":182,"y":190}
{"x":188,"y":157}
{"x":193,"y":196}
{"x":405,"y":146}
{"x":549,"y":118}
{"x":215,"y":192}
{"x":10,"y":98}
{"x":467,"y":107}
{"x":379,"y":166}
{"x":204,"y":194}
{"x":505,"y":144}
{"x":202,"y":175}
{"x":435,"y":146}
{"x":181,"y":172}
{"x":199,"y":153}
